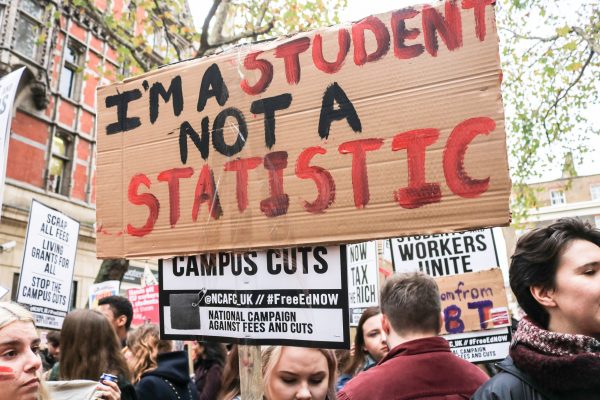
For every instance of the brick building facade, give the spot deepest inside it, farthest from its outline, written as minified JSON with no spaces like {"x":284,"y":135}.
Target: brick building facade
{"x":52,"y":142}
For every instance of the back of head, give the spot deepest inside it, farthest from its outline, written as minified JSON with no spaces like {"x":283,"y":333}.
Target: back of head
{"x":53,"y":337}
{"x":214,"y":353}
{"x":230,"y":387}
{"x":536,"y":260}
{"x":12,"y":312}
{"x":145,"y":344}
{"x":120,"y":306}
{"x":411,"y":303}
{"x":89,"y":347}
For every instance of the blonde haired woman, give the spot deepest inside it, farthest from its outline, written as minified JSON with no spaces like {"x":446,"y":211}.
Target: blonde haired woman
{"x":298,"y":373}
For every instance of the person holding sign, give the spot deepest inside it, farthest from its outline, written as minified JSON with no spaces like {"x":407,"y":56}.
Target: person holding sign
{"x":370,"y":346}
{"x":420,"y":363}
{"x":298,"y":373}
{"x":555,"y":354}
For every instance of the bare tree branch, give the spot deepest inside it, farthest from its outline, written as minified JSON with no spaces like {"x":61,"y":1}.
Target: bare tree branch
{"x":166,"y":23}
{"x":204,"y":34}
{"x":117,"y":36}
{"x":593,"y":44}
{"x":520,"y":36}
{"x":563,"y":93}
{"x":220,"y":18}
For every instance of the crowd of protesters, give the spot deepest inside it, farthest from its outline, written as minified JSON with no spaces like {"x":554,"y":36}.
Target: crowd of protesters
{"x":397,"y":351}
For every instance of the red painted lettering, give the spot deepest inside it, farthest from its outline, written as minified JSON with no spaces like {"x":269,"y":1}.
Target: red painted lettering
{"x":266,"y":74}
{"x":172,"y":176}
{"x":418,"y":192}
{"x":278,"y":203}
{"x":317,"y":52}
{"x":241,"y":167}
{"x":457,"y":178}
{"x":321,"y":177}
{"x":382,"y":37}
{"x":479,"y":10}
{"x":360,"y":181}
{"x":449,"y":28}
{"x":289,"y":51}
{"x":206,"y":192}
{"x":401,"y":34}
{"x":146,"y":199}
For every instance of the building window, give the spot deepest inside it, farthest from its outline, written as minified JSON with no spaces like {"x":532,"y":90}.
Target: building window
{"x":28,"y":28}
{"x":2,"y":12}
{"x":70,"y":77}
{"x":59,"y":171}
{"x":557,"y":197}
{"x":595,"y":192}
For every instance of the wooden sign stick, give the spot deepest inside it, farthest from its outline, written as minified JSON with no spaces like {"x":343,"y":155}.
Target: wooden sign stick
{"x":251,"y":381}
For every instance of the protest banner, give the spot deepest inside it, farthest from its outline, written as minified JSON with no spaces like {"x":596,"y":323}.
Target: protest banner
{"x":473,"y":301}
{"x":483,"y":346}
{"x":389,"y":126}
{"x":363,"y":278}
{"x":100,"y":290}
{"x":48,"y":265}
{"x":293,"y":296}
{"x":8,"y":90}
{"x":145,"y":305}
{"x":445,"y":253}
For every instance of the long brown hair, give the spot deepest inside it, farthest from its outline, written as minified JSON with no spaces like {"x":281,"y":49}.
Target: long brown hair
{"x":230,"y":384}
{"x":360,"y":356}
{"x":144,"y":344}
{"x":89,"y":347}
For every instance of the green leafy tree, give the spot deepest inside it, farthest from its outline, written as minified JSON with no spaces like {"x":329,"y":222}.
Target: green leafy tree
{"x":550,"y":60}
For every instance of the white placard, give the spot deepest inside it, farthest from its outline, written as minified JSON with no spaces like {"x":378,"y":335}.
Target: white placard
{"x":48,"y":265}
{"x":445,"y":254}
{"x":100,"y":290}
{"x":363,"y":278}
{"x":295,"y":296}
{"x":482,"y":346}
{"x":8,"y":89}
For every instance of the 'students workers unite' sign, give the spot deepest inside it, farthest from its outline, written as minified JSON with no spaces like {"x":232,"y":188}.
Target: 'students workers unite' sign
{"x":363,"y":278}
{"x":293,"y":296}
{"x":445,"y":254}
{"x":48,"y":265}
{"x":389,"y":126}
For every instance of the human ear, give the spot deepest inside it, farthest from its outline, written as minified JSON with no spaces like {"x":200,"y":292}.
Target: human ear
{"x":121,"y":320}
{"x":543,"y":295}
{"x":385,"y":325}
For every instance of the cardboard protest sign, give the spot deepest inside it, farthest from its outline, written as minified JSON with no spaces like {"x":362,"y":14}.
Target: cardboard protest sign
{"x":100,"y":290}
{"x":8,"y":90}
{"x":145,"y":304}
{"x":483,"y":346}
{"x":363,"y":278}
{"x":445,"y":253}
{"x":389,"y":126}
{"x":293,"y":296}
{"x":48,"y":265}
{"x":473,"y":301}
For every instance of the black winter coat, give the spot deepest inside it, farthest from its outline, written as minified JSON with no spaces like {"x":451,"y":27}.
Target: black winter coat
{"x":513,"y":384}
{"x":169,"y":381}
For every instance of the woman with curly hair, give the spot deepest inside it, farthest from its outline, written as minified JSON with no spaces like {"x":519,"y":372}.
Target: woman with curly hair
{"x":158,"y":372}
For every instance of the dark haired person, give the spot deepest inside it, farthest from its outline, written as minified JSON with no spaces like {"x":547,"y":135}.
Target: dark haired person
{"x":119,"y":311}
{"x":419,"y":363}
{"x":370,"y":346}
{"x":51,"y":354}
{"x":209,"y":358}
{"x":555,"y":354}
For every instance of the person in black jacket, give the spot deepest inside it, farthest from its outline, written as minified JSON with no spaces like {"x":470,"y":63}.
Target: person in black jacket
{"x":208,"y":368}
{"x":158,"y":372}
{"x":555,"y":354}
